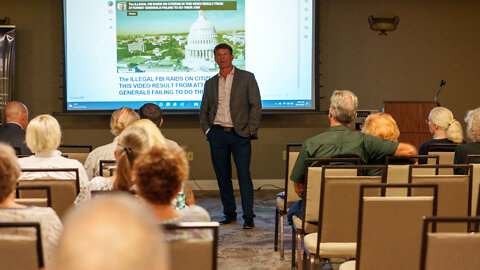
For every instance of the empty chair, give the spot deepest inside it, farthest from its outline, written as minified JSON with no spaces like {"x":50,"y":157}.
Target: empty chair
{"x":337,"y":209}
{"x":187,"y":254}
{"x":447,"y":250}
{"x":474,"y":161}
{"x":63,"y":191}
{"x":446,"y":152}
{"x":21,"y":246}
{"x":81,"y":151}
{"x":40,"y":196}
{"x":107,"y":167}
{"x":397,"y":171}
{"x":389,"y":228}
{"x":454,"y":192}
{"x":283,"y":204}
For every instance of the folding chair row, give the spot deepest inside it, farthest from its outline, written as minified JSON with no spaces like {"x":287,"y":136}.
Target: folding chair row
{"x":331,"y":201}
{"x":328,"y":203}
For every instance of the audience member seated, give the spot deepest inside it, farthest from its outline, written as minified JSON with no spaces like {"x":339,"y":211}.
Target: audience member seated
{"x":50,"y":224}
{"x":384,"y":126}
{"x":43,"y":138}
{"x":445,"y":130}
{"x":185,"y":197}
{"x":473,"y":132}
{"x":339,"y":141}
{"x":381,"y":125}
{"x":13,"y":132}
{"x":154,"y":113}
{"x":159,"y":174}
{"x":111,"y":233}
{"x":130,"y":144}
{"x":120,"y":119}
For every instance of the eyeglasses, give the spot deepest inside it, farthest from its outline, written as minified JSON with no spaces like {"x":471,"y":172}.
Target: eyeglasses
{"x":427,"y":122}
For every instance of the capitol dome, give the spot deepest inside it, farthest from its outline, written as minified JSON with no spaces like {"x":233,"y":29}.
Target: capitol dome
{"x":201,"y":41}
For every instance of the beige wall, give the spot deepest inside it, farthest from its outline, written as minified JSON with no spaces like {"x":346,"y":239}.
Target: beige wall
{"x":435,"y":40}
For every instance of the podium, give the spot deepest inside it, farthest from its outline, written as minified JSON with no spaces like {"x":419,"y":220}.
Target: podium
{"x":410,"y":117}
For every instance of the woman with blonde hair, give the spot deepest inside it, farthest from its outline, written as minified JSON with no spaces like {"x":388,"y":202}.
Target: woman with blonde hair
{"x":473,"y":131}
{"x":43,"y":138}
{"x":445,"y":129}
{"x":155,"y":135}
{"x":10,"y":211}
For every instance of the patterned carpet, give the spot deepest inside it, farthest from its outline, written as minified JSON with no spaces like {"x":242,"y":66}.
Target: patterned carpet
{"x":249,"y":249}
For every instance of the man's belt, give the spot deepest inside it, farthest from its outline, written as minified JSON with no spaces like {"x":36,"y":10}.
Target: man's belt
{"x":226,"y":129}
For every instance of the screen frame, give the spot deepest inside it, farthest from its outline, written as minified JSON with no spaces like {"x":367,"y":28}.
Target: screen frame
{"x":315,"y":77}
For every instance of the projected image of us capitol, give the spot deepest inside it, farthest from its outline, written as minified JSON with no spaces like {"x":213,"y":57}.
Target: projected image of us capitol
{"x":185,"y":51}
{"x":201,"y":41}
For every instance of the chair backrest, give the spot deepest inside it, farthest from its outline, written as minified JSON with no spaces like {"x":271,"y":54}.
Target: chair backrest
{"x":474,"y":160}
{"x":107,"y":167}
{"x":186,"y":254}
{"x":38,"y":196}
{"x":80,"y":151}
{"x":446,"y":152}
{"x":454,"y":192}
{"x":63,"y":191}
{"x":398,"y":173}
{"x":313,"y":178}
{"x":389,"y":228}
{"x":338,"y":204}
{"x":446,"y":250}
{"x":21,"y":246}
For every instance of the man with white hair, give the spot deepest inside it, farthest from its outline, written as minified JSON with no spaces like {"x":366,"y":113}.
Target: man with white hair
{"x":339,"y":141}
{"x":115,"y":232}
{"x":13,"y":132}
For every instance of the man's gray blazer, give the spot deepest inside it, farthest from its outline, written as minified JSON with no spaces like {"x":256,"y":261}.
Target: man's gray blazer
{"x":245,"y":103}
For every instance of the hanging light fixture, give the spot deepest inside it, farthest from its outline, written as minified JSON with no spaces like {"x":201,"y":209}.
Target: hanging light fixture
{"x":383,"y":24}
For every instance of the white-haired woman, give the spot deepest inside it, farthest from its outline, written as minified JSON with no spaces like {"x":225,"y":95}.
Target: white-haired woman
{"x":445,"y":129}
{"x":473,"y":132}
{"x":10,"y":211}
{"x":43,"y":138}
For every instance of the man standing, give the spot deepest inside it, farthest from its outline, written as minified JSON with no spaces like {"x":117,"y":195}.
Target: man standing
{"x":339,"y":141}
{"x":230,"y":116}
{"x":154,"y":113}
{"x":13,"y":132}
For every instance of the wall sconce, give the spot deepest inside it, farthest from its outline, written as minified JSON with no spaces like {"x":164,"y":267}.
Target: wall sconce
{"x":383,"y":24}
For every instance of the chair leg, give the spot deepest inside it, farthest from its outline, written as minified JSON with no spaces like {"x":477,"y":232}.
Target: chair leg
{"x":300,"y":252}
{"x":275,"y":243}
{"x":294,"y":241}
{"x":312,"y":262}
{"x":282,"y":239}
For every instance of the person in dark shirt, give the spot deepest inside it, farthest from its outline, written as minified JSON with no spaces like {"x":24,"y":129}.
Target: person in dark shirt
{"x":473,"y":132}
{"x":445,"y":130}
{"x":13,"y":132}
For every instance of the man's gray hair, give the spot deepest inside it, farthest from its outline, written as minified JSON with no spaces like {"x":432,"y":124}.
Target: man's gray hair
{"x":344,"y":104}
